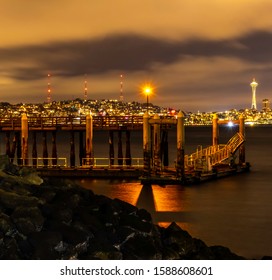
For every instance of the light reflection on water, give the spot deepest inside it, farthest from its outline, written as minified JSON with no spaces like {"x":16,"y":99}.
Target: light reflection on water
{"x":166,"y":204}
{"x":124,"y":190}
{"x":235,"y":212}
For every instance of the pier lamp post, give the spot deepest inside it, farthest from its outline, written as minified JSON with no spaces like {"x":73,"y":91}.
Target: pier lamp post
{"x":147,"y":91}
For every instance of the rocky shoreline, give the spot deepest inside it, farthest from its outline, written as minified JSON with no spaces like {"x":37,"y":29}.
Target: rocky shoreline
{"x":53,"y":220}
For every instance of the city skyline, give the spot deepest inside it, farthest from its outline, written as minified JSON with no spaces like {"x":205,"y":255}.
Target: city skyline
{"x":199,"y":56}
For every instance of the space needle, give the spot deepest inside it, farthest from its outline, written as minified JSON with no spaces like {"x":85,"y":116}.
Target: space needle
{"x":254,"y":85}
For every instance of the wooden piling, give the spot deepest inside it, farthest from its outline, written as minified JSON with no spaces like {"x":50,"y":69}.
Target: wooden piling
{"x":89,"y":139}
{"x":156,"y":141}
{"x":146,"y":144}
{"x":81,"y":148}
{"x":120,"y":148}
{"x":19,"y":148}
{"x":242,"y":153}
{"x":24,"y":140}
{"x":34,"y":149}
{"x":13,"y":148}
{"x":54,"y":149}
{"x":180,"y":168}
{"x":111,"y":147}
{"x":8,"y":152}
{"x":44,"y":148}
{"x":128,"y":151}
{"x":72,"y":150}
{"x":215,"y":130}
{"x":164,"y":148}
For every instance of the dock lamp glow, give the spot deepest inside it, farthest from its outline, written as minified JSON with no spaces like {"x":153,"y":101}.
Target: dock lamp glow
{"x":147,"y":91}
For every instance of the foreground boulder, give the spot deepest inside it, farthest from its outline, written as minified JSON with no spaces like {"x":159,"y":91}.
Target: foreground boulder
{"x":59,"y":220}
{"x":18,"y":175}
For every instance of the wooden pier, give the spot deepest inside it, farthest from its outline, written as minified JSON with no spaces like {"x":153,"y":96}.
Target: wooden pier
{"x":212,"y":162}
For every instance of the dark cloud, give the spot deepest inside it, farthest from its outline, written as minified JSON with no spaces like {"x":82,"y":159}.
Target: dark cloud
{"x":125,"y":53}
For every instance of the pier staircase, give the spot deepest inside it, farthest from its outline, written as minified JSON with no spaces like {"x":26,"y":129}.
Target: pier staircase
{"x":205,"y":158}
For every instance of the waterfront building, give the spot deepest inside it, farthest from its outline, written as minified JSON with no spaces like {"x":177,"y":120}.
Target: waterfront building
{"x":266,"y":105}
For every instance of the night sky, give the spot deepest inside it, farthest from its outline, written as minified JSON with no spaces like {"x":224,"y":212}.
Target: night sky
{"x":199,"y":55}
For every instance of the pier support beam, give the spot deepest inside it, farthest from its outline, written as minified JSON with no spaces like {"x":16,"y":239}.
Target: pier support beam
{"x":111,"y":147}
{"x":34,"y":149}
{"x":128,"y":152}
{"x":120,"y":148}
{"x":157,"y":160}
{"x":215,"y":130}
{"x":24,"y":141}
{"x":146,"y":144}
{"x":89,"y":139}
{"x":54,"y":149}
{"x":8,"y":153}
{"x":13,"y":148}
{"x":180,"y":145}
{"x":164,"y":148}
{"x":19,"y":148}
{"x":44,"y":148}
{"x":72,"y":150}
{"x":81,"y":148}
{"x":242,"y":153}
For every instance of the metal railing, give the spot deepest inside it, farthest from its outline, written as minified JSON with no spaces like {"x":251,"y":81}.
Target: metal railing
{"x":214,"y":154}
{"x":99,"y":122}
{"x":40,"y":162}
{"x":112,"y":162}
{"x":86,"y":162}
{"x":74,"y":121}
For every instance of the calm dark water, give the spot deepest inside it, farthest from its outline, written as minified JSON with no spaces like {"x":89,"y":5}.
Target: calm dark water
{"x":235,"y":212}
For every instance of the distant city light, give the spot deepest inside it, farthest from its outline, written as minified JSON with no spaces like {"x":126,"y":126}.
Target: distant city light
{"x":230,"y":124}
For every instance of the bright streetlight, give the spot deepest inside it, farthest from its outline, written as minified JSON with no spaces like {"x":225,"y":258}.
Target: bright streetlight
{"x":147,"y":90}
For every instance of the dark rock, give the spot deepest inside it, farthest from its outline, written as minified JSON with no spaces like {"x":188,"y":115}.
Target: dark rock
{"x":140,"y":247}
{"x":223,"y":253}
{"x":199,"y":251}
{"x":61,"y":220}
{"x":9,"y":249}
{"x":45,"y":244}
{"x":7,"y":228}
{"x":86,"y":218}
{"x":135,"y":222}
{"x":122,"y":234}
{"x":28,"y":219}
{"x":74,"y":236}
{"x":178,"y":239}
{"x":144,"y":215}
{"x":102,"y":249}
{"x":26,"y":250}
{"x":18,"y":175}
{"x":12,"y":200}
{"x":8,"y":167}
{"x":169,"y":253}
{"x":111,"y":255}
{"x":62,"y":214}
{"x":126,"y":207}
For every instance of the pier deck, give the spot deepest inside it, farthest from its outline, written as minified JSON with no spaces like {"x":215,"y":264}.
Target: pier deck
{"x":102,"y":173}
{"x":212,"y":162}
{"x":167,"y":178}
{"x":194,"y":178}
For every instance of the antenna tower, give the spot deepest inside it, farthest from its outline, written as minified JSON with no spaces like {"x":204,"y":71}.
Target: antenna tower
{"x":85,"y":89}
{"x":121,"y":88}
{"x":48,"y":88}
